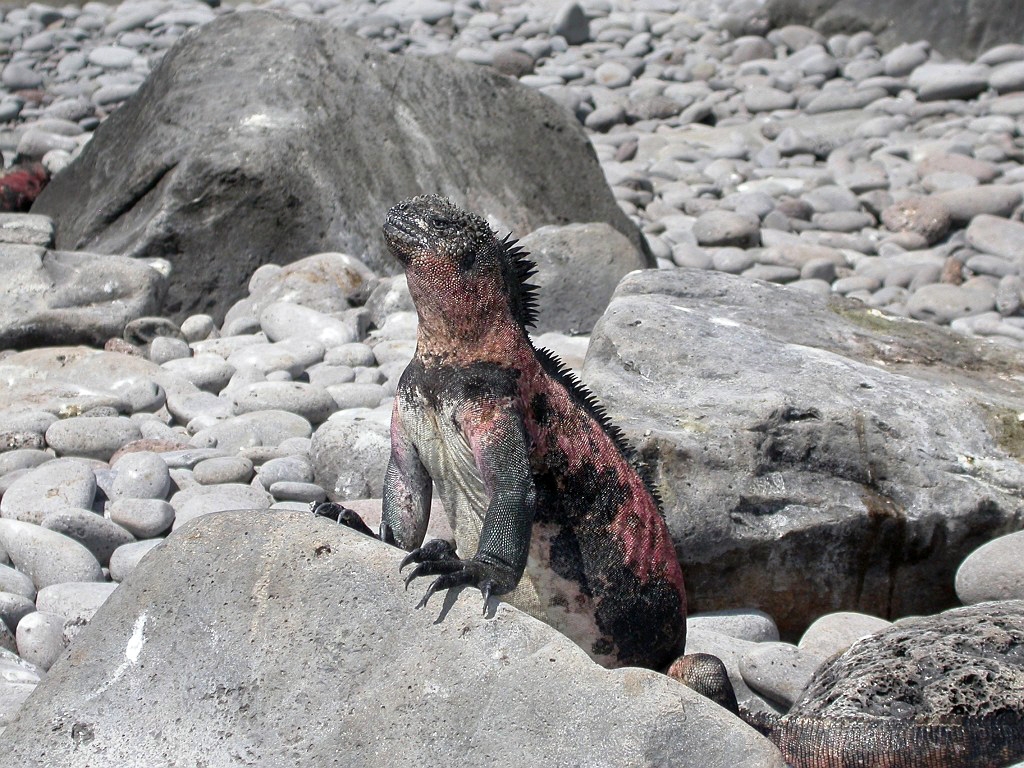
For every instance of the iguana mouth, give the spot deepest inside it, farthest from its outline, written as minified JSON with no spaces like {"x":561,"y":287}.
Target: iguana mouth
{"x":400,"y":235}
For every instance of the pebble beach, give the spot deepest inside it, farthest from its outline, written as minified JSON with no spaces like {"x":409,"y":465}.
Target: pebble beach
{"x":899,"y":186}
{"x":824,"y":164}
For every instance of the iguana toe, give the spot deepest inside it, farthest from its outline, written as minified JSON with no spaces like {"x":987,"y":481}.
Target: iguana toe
{"x":342,"y":515}
{"x":465,"y":575}
{"x":438,"y":558}
{"x":436,"y":550}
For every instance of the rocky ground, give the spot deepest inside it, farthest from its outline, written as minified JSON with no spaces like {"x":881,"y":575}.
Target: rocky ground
{"x":822,"y":164}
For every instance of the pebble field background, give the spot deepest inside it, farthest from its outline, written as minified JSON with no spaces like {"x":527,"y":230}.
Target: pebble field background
{"x":780,"y":155}
{"x":911,"y":203}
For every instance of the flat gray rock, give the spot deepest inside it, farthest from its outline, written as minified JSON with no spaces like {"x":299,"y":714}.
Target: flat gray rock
{"x":324,"y":282}
{"x":126,"y":558}
{"x":199,"y":500}
{"x":863,"y":455}
{"x":726,"y":228}
{"x":95,"y":532}
{"x":13,"y":608}
{"x":26,"y":229}
{"x":283,"y":319}
{"x":72,"y":380}
{"x":996,"y":235}
{"x":779,"y":671}
{"x":745,"y":624}
{"x":142,"y":518}
{"x":47,"y":557}
{"x":74,"y":600}
{"x":191,"y":124}
{"x":942,"y":303}
{"x":48,"y":488}
{"x":60,"y":297}
{"x":41,"y":638}
{"x":91,"y":437}
{"x":207,"y":371}
{"x":835,"y":632}
{"x":288,"y":595}
{"x":992,"y":199}
{"x":269,"y":427}
{"x":15,"y":582}
{"x":140,"y":475}
{"x":223,"y":469}
{"x":350,"y":453}
{"x":948,"y":80}
{"x":291,"y":355}
{"x":310,"y":401}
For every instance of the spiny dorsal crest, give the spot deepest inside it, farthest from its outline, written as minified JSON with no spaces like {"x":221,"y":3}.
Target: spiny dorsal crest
{"x":589,"y":402}
{"x":518,"y":269}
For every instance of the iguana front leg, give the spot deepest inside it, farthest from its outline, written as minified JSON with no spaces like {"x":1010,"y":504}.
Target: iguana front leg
{"x":496,"y":436}
{"x":405,"y":508}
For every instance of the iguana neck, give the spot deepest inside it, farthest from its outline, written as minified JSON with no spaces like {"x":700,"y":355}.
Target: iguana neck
{"x":442,"y":340}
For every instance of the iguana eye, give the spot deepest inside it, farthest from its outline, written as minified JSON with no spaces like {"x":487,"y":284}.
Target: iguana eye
{"x":438,"y":222}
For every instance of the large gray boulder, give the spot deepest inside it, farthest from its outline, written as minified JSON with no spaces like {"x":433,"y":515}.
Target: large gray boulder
{"x":265,"y":138}
{"x":279,"y":639}
{"x":814,"y":455}
{"x":962,"y":28}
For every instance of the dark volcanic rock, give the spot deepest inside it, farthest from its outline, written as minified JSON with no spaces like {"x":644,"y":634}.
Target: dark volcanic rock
{"x":265,"y":138}
{"x":283,"y":640}
{"x":962,"y":28}
{"x":56,"y":297}
{"x":814,"y":455}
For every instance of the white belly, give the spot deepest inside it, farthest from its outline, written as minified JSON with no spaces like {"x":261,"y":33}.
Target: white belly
{"x":449,"y":460}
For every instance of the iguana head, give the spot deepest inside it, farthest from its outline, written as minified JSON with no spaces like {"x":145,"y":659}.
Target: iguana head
{"x":459,"y":272}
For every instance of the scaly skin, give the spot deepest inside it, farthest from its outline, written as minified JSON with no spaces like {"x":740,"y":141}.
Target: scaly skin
{"x":20,"y":186}
{"x":943,"y":691}
{"x":546,"y":507}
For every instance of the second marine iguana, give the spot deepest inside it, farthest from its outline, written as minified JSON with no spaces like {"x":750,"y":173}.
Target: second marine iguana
{"x":943,"y":691}
{"x":20,"y":185}
{"x":546,"y":506}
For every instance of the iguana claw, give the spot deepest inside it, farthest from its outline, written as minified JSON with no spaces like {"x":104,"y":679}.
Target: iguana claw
{"x":438,"y":558}
{"x":436,"y":550}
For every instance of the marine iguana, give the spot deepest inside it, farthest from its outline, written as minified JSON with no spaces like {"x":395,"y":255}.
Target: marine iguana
{"x":944,"y":691}
{"x":20,"y":185}
{"x":545,"y":503}
{"x":549,"y":511}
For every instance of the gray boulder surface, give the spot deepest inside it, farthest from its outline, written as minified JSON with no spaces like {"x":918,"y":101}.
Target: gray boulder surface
{"x":578,"y":267}
{"x":962,"y":28}
{"x":57,"y":297}
{"x":813,"y":454}
{"x":280,"y":639}
{"x":220,"y":177}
